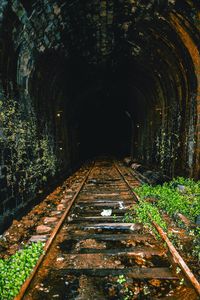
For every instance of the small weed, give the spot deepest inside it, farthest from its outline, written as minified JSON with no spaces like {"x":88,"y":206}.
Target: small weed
{"x":115,"y":218}
{"x":126,"y":291}
{"x":121,"y":279}
{"x":181,"y":282}
{"x":178,"y":270}
{"x":178,"y":196}
{"x":15,"y":270}
{"x":196,"y":243}
{"x":144,"y":213}
{"x":172,"y":200}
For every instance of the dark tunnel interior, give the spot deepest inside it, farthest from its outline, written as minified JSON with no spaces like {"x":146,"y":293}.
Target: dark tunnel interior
{"x":104,"y":126}
{"x":106,"y":106}
{"x":101,"y":103}
{"x":116,"y":108}
{"x":89,"y":78}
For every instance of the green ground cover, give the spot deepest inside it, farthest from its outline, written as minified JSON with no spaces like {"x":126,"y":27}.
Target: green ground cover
{"x":15,"y":270}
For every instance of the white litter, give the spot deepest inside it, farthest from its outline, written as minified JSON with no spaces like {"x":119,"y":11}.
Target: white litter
{"x":121,"y":206}
{"x":106,"y":213}
{"x":60,"y":259}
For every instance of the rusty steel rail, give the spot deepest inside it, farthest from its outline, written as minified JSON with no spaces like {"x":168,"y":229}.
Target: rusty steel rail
{"x":175,"y":254}
{"x":48,"y":244}
{"x":126,"y":181}
{"x":177,"y":258}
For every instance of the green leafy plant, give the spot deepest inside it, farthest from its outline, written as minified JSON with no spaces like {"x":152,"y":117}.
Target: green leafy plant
{"x":15,"y":270}
{"x":126,"y":292}
{"x":196,"y":243}
{"x":121,"y":279}
{"x":172,"y":200}
{"x":114,"y":218}
{"x":145,"y":213}
{"x":181,"y":195}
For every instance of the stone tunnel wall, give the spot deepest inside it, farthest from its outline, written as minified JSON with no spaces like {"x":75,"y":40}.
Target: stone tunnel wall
{"x":39,"y":130}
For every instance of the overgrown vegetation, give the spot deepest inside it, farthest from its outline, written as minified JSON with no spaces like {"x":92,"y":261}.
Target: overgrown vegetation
{"x":178,"y":196}
{"x":144,"y":213}
{"x":126,"y":292}
{"x":15,"y":270}
{"x":27,"y":153}
{"x":196,"y":243}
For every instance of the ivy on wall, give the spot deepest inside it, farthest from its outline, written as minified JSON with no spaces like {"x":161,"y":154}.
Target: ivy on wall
{"x":167,"y":144}
{"x":27,"y":153}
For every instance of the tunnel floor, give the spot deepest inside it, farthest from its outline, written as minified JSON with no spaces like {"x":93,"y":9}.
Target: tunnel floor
{"x":96,"y":253}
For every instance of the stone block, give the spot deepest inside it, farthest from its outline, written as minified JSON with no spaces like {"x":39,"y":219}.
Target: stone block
{"x":38,"y":238}
{"x":43,"y":229}
{"x":50,"y":220}
{"x":61,"y":207}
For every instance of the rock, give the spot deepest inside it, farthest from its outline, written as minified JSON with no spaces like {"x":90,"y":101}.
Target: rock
{"x":43,"y":229}
{"x":197,"y":220}
{"x":50,"y":220}
{"x":60,"y":258}
{"x":135,"y":166}
{"x":68,"y":191}
{"x":55,"y":213}
{"x":66,"y":197}
{"x":64,"y":202}
{"x":61,"y":207}
{"x":155,"y":177}
{"x":28,"y":223}
{"x":127,"y":161}
{"x":15,"y":223}
{"x":94,"y":181}
{"x":155,"y":282}
{"x":181,"y":188}
{"x":38,"y":238}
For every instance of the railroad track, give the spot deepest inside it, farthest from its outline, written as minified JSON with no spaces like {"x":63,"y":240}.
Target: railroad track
{"x":93,"y":254}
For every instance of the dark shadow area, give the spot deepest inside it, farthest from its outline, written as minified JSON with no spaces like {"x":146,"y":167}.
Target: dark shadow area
{"x":104,"y":127}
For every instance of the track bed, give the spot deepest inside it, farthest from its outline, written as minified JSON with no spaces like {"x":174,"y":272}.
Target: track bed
{"x":95,"y":255}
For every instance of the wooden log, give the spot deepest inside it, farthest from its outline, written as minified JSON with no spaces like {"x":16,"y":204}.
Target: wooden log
{"x":135,"y":272}
{"x":112,"y":237}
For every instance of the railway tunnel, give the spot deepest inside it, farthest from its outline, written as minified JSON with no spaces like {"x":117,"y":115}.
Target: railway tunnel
{"x":82,"y":79}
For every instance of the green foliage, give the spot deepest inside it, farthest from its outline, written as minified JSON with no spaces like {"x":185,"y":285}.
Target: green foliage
{"x":173,"y":200}
{"x":196,"y":243}
{"x":145,"y":212}
{"x":15,"y":270}
{"x":191,"y":187}
{"x":121,"y":279}
{"x":30,"y":153}
{"x":125,"y":292}
{"x":170,"y":199}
